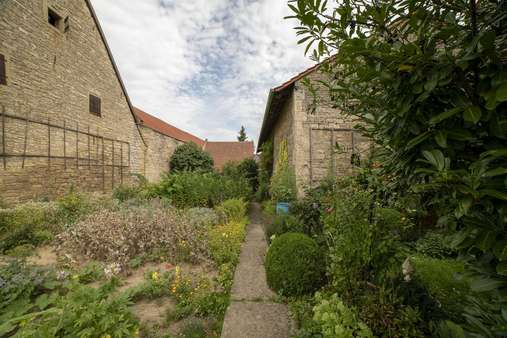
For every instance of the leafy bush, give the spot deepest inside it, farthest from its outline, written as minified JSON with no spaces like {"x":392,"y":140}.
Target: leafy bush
{"x":294,"y":265}
{"x":336,"y":320}
{"x":363,"y":245}
{"x":120,"y":235}
{"x":125,"y":192}
{"x":34,"y":303}
{"x":434,"y":245}
{"x":225,"y":242}
{"x":202,"y":217}
{"x":441,"y":278}
{"x":250,"y":170}
{"x":282,"y":224}
{"x":232,"y":210}
{"x":265,"y":170}
{"x":190,"y":189}
{"x":27,"y":224}
{"x":189,"y":157}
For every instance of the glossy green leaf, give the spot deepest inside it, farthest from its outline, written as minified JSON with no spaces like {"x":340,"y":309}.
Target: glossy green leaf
{"x":441,"y":138}
{"x":501,"y":93}
{"x":472,"y":114}
{"x":486,"y":284}
{"x":445,"y":115}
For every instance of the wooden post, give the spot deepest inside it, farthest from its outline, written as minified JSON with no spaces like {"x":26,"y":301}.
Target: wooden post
{"x":25,"y":141}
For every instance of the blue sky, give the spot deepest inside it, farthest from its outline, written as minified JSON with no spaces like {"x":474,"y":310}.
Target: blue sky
{"x":205,"y":66}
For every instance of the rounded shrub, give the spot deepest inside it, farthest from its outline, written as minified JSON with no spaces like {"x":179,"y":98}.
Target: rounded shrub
{"x":294,"y":265}
{"x":189,"y":157}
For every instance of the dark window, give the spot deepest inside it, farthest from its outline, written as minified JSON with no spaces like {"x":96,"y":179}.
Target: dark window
{"x":95,"y":105}
{"x":54,"y":19}
{"x":3,"y":71}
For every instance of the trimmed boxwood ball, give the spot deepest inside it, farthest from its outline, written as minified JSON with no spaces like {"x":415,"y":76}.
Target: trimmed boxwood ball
{"x":294,"y":265}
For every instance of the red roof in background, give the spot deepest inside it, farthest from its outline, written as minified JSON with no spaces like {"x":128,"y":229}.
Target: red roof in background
{"x":165,"y":128}
{"x":223,"y":152}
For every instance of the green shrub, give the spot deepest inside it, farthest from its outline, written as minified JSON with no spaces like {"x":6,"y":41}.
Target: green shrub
{"x":294,"y":265}
{"x":225,"y":242}
{"x":434,"y":245}
{"x":72,"y":206}
{"x":232,"y":210}
{"x":27,"y":224}
{"x":189,"y":157}
{"x":192,"y":189}
{"x":202,"y":217}
{"x":282,"y":224}
{"x":363,"y":246}
{"x":250,"y":170}
{"x":441,"y":278}
{"x":336,"y":320}
{"x":125,"y":192}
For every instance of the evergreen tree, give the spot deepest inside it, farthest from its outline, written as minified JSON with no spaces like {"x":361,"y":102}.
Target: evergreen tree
{"x":242,"y":135}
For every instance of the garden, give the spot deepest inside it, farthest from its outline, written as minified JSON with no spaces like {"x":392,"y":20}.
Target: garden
{"x":414,"y":243}
{"x":149,"y":260}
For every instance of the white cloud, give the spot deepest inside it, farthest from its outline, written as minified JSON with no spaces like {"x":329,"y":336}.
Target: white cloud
{"x":205,"y":66}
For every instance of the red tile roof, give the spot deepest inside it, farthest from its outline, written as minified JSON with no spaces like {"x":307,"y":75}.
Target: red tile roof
{"x":147,"y":120}
{"x":223,"y":152}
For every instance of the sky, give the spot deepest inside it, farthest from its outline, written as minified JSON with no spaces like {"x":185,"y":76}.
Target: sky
{"x":205,"y":66}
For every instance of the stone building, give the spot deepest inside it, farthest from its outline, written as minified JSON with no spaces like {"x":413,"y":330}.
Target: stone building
{"x":320,"y":140}
{"x":162,"y":139}
{"x":66,"y":118}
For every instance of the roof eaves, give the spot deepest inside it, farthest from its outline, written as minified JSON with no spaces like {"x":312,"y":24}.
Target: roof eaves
{"x":116,"y":70}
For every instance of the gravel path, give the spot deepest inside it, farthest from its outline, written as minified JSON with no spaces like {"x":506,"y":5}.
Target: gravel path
{"x":252,"y":312}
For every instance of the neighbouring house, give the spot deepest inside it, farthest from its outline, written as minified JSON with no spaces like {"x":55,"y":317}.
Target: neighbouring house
{"x":66,"y":119}
{"x":320,"y":140}
{"x":162,"y":139}
{"x":224,"y":152}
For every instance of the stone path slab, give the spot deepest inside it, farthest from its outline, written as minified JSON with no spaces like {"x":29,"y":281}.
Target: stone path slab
{"x":252,"y":312}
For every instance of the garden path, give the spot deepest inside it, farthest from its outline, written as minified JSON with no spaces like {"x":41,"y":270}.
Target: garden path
{"x":253,"y":313}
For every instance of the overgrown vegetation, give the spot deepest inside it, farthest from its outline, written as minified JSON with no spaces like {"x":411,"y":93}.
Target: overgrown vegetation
{"x":427,"y":80}
{"x":100,"y":241}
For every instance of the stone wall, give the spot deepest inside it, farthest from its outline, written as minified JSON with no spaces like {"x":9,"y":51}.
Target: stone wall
{"x":159,"y":151}
{"x":320,"y":139}
{"x":50,"y":75}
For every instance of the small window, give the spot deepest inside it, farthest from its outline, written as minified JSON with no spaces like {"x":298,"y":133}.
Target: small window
{"x":3,"y":71}
{"x":95,"y":105}
{"x":54,"y":19}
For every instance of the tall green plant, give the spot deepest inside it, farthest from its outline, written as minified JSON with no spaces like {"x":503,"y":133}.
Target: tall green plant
{"x":429,"y":79}
{"x":283,"y":182}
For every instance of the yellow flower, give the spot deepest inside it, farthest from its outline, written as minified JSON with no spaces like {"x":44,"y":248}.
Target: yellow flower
{"x":136,"y":332}
{"x":105,"y":336}
{"x":155,"y":275}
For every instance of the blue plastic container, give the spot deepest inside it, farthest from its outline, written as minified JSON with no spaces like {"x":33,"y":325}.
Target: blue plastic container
{"x":282,"y":208}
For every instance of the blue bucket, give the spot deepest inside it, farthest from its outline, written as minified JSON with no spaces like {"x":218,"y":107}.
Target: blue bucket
{"x":282,"y":208}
